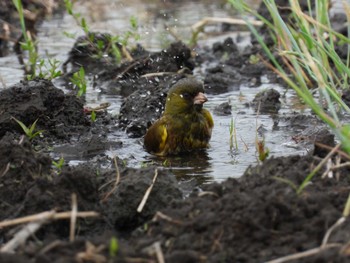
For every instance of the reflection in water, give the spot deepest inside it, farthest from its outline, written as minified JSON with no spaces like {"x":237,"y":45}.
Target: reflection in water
{"x":193,"y":166}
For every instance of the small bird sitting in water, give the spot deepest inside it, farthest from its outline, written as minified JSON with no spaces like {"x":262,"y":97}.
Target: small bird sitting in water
{"x":185,"y":124}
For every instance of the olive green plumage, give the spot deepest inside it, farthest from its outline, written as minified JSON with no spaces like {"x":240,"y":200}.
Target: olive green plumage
{"x":185,"y":124}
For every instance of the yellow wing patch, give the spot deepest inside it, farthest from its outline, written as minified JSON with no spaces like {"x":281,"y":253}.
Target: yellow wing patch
{"x":164,"y":136}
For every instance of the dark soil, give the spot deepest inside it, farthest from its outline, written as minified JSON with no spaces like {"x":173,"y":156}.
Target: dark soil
{"x":256,"y":218}
{"x":59,"y":115}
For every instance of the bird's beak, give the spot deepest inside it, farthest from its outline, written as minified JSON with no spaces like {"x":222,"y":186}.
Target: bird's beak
{"x":200,"y":98}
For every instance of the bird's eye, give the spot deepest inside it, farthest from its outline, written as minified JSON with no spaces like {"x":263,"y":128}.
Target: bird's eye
{"x":185,"y":95}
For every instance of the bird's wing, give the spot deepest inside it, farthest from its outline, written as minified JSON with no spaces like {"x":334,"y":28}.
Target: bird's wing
{"x":209,"y":119}
{"x":156,"y":137}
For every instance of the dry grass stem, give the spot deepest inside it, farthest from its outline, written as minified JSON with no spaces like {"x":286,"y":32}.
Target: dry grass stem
{"x":339,"y":222}
{"x":117,"y":180}
{"x":227,"y":20}
{"x":160,"y":215}
{"x":246,"y":148}
{"x":7,"y":168}
{"x":341,"y":165}
{"x":204,"y":193}
{"x":159,"y":252}
{"x":340,"y":152}
{"x":303,"y":254}
{"x":329,"y":171}
{"x":147,"y":193}
{"x":172,"y":32}
{"x":73,"y":218}
{"x":127,"y":54}
{"x":43,"y":215}
{"x":50,"y":246}
{"x":325,"y":159}
{"x":157,"y":74}
{"x":155,"y":249}
{"x":92,"y":253}
{"x":21,"y":237}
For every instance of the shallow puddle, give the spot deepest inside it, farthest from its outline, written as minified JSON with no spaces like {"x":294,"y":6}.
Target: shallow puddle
{"x":156,"y":20}
{"x":220,"y":162}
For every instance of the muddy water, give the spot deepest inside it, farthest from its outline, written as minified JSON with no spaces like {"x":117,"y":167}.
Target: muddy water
{"x":156,"y":19}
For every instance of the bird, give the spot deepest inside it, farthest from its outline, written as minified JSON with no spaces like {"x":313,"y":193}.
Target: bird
{"x":185,"y":125}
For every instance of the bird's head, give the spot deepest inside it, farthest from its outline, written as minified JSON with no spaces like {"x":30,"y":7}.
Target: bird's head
{"x":185,"y":96}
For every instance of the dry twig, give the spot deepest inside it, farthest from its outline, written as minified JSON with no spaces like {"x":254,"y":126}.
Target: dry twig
{"x":155,"y":249}
{"x":207,"y":193}
{"x":91,"y":253}
{"x":37,"y":217}
{"x":160,"y":215}
{"x":227,"y":20}
{"x":157,"y":74}
{"x":73,"y":218}
{"x":340,"y":152}
{"x":331,"y":229}
{"x":21,"y":237}
{"x":147,"y":193}
{"x":7,"y":168}
{"x":159,"y":252}
{"x":117,"y":180}
{"x":303,"y":254}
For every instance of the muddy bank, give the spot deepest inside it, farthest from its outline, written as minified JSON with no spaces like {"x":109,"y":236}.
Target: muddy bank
{"x":59,"y":115}
{"x":252,"y":219}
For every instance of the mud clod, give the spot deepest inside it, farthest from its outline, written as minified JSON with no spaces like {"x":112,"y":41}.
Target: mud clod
{"x":58,"y":114}
{"x":134,"y":183}
{"x":267,"y":101}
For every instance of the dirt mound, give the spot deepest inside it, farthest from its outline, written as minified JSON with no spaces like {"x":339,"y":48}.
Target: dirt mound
{"x":255,"y":218}
{"x":58,"y":114}
{"x":20,"y":167}
{"x":123,"y":79}
{"x":267,"y":101}
{"x":29,"y":186}
{"x":121,"y":206}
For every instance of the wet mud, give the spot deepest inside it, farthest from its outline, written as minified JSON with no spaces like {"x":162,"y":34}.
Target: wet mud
{"x":150,"y":214}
